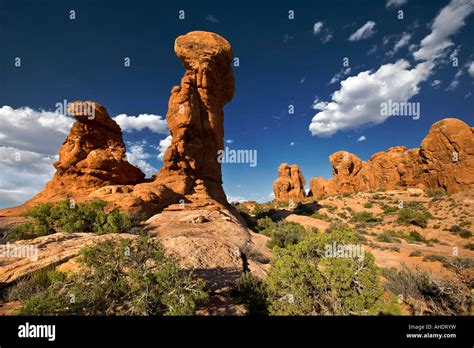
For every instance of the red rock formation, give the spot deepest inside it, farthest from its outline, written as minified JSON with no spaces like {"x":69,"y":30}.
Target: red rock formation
{"x":290,"y":183}
{"x":445,"y":160}
{"x":196,"y":118}
{"x":92,"y":156}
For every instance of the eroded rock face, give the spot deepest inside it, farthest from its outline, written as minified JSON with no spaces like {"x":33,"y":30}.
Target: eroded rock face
{"x":196,"y":118}
{"x":290,"y":183}
{"x":444,"y":160}
{"x":92,"y":156}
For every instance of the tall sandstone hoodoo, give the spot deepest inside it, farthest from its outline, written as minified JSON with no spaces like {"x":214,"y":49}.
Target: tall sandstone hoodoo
{"x":445,"y":160}
{"x":195,"y":116}
{"x":290,"y":183}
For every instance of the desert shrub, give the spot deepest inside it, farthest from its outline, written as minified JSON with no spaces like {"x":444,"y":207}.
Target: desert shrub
{"x":67,"y":217}
{"x":34,"y":283}
{"x":469,"y":246}
{"x":329,"y":208}
{"x":253,"y":254}
{"x":465,"y":223}
{"x":435,"y":257}
{"x":21,"y":232}
{"x":304,"y":281}
{"x":124,"y":277}
{"x":252,"y":292}
{"x":427,"y":296}
{"x":388,"y":237}
{"x":415,"y":253}
{"x":415,"y":236}
{"x":368,"y":205}
{"x":364,"y":216}
{"x":436,"y":193}
{"x":284,"y":233}
{"x":417,"y":216}
{"x":395,"y":248}
{"x":460,"y":231}
{"x":389,"y":209}
{"x":321,"y":216}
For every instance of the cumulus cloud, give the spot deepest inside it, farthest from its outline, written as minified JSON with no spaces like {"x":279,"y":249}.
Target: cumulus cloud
{"x":357,"y":102}
{"x":362,"y":138}
{"x":451,"y":18}
{"x":364,"y":32}
{"x":470,"y":69}
{"x":138,"y":156}
{"x":154,"y":123}
{"x":395,"y":3}
{"x":38,"y":131}
{"x":163,"y":146}
{"x":29,"y":141}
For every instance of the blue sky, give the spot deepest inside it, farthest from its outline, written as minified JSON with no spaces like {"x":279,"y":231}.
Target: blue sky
{"x":283,"y":62}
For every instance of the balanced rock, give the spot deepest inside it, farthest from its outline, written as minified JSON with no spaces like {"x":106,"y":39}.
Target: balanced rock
{"x":92,"y":156}
{"x":290,"y":183}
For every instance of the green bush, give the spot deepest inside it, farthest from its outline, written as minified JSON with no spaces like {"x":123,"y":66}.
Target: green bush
{"x":303,"y":281}
{"x":321,"y":216}
{"x":415,"y":253}
{"x":364,"y":216}
{"x":368,"y":205}
{"x":67,"y":217}
{"x":282,"y":233}
{"x":389,"y":209}
{"x":253,"y":293}
{"x":469,"y":246}
{"x":124,"y":277}
{"x":388,"y":237}
{"x":418,"y":216}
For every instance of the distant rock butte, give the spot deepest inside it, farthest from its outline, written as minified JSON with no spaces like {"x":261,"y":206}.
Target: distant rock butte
{"x":445,"y":160}
{"x":290,"y":183}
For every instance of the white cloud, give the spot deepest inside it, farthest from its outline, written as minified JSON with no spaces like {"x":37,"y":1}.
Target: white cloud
{"x":136,"y":155}
{"x":362,"y":138}
{"x":357,"y":102}
{"x":470,"y":69}
{"x":317,"y":27}
{"x":448,"y":22}
{"x":154,"y":123}
{"x":325,"y":34}
{"x":435,"y":83}
{"x":404,"y":40}
{"x":229,"y":141}
{"x":29,"y":142}
{"x":292,"y":143}
{"x":338,"y":76}
{"x":163,"y":146}
{"x":395,"y":3}
{"x":364,"y":32}
{"x":38,"y":131}
{"x":455,"y":82}
{"x":236,"y":199}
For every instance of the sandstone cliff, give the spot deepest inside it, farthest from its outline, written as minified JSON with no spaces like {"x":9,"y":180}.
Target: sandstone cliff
{"x":445,"y":160}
